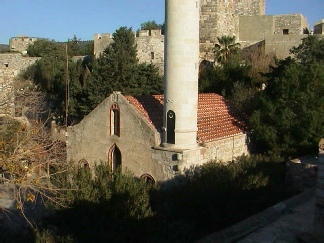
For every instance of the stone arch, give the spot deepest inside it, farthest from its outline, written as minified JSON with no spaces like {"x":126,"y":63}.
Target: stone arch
{"x":83,"y":164}
{"x":115,"y":119}
{"x":114,"y":157}
{"x":148,"y":179}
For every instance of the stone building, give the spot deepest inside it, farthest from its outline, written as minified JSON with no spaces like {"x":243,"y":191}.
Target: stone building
{"x":101,"y":42}
{"x":244,"y":19}
{"x":319,"y":28}
{"x":11,"y":64}
{"x":157,"y":137}
{"x":150,"y":46}
{"x":21,"y":43}
{"x":128,"y":131}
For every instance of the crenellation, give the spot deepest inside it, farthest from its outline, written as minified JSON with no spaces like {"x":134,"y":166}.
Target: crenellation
{"x":21,"y":43}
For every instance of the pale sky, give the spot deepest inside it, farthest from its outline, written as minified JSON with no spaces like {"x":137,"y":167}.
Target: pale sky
{"x":61,"y":19}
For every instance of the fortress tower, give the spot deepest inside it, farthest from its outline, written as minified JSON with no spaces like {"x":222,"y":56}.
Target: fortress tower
{"x":181,"y":73}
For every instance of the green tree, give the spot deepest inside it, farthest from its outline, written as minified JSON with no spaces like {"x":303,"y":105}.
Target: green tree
{"x":310,"y":51}
{"x":225,"y":48}
{"x":150,"y":25}
{"x":290,"y":121}
{"x":117,"y":69}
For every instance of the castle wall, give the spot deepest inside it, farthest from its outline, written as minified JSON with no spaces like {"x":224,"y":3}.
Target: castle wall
{"x":150,"y":48}
{"x":7,"y":96}
{"x":101,"y":42}
{"x":21,"y":43}
{"x":16,"y":61}
{"x":255,"y":28}
{"x":294,"y":23}
{"x":281,"y":44}
{"x":10,"y":66}
{"x":319,"y":28}
{"x":250,"y":7}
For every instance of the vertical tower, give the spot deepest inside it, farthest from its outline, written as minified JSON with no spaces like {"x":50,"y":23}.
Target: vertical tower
{"x":181,"y":73}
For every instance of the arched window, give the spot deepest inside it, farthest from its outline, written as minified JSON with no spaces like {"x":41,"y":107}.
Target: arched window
{"x":114,"y":158}
{"x":115,"y":120}
{"x":83,"y":164}
{"x":170,"y":127}
{"x":149,"y":180}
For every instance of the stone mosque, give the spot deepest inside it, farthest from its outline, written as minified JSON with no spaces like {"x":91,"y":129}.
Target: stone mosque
{"x":157,"y":137}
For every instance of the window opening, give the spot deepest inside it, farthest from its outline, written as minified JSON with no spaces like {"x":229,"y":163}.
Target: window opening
{"x":170,"y":127}
{"x":83,"y":164}
{"x":115,"y":120}
{"x":149,"y":180}
{"x":114,"y":158}
{"x":285,"y":31}
{"x":152,"y":55}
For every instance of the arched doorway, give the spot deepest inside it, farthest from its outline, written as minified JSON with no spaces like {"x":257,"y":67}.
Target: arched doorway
{"x":149,"y":180}
{"x":114,"y":158}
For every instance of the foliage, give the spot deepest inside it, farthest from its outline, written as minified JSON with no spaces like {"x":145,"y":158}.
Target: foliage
{"x":117,"y":69}
{"x":290,"y":118}
{"x":116,"y":205}
{"x":225,"y":48}
{"x":91,"y":80}
{"x":150,"y":25}
{"x":310,"y":51}
{"x":26,"y":153}
{"x":105,"y":206}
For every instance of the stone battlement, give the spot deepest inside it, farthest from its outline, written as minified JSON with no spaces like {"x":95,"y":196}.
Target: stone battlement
{"x":21,"y":43}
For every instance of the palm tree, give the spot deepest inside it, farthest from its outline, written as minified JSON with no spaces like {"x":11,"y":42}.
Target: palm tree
{"x":226,"y":47}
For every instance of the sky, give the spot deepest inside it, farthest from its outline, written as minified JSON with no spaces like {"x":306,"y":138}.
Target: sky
{"x":60,"y":20}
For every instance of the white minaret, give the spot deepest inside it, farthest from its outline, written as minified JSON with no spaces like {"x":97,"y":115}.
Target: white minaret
{"x":181,"y":73}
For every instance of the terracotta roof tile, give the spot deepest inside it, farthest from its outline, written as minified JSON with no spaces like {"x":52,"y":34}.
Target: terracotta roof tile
{"x":217,"y":118}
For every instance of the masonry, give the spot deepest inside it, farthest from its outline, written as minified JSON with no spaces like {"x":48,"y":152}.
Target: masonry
{"x":11,"y":64}
{"x":150,"y":46}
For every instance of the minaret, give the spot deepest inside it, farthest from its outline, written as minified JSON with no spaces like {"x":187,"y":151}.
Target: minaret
{"x":181,"y":73}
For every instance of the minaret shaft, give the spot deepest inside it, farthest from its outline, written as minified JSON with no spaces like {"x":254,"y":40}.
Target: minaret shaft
{"x":181,"y":73}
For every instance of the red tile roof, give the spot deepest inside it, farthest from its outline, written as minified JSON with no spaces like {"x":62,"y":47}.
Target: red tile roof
{"x":217,"y":118}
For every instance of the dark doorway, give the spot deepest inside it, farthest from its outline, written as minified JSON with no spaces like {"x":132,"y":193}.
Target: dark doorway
{"x":170,"y":127}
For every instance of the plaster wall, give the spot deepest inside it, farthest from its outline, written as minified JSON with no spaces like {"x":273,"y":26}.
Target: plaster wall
{"x":255,"y":28}
{"x":91,"y":139}
{"x":281,"y":44}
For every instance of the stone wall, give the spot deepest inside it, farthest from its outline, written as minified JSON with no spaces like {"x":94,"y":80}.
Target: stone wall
{"x":319,"y":28}
{"x":319,"y":199}
{"x":255,"y":28}
{"x":301,"y":173}
{"x":16,"y":61}
{"x":218,"y":18}
{"x":281,"y":44}
{"x":150,"y":48}
{"x":7,"y":96}
{"x":226,"y":149}
{"x":91,"y":139}
{"x":21,"y":43}
{"x":288,"y":24}
{"x":11,"y":64}
{"x":101,"y":42}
